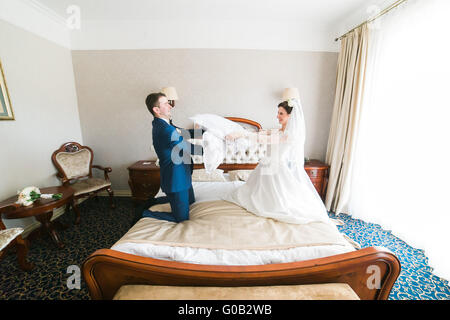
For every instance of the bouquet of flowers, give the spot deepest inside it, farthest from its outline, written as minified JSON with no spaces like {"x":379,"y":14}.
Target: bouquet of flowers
{"x":30,"y":194}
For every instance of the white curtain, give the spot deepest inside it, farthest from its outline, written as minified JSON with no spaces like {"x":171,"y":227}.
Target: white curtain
{"x":345,"y":122}
{"x":401,"y":172}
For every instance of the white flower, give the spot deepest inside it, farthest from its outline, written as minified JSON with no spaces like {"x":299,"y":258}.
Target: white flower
{"x":28,"y":190}
{"x":25,"y":196}
{"x":290,"y":102}
{"x":30,"y":194}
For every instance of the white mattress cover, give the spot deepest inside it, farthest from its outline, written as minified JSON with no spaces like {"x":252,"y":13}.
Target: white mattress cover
{"x":207,"y":191}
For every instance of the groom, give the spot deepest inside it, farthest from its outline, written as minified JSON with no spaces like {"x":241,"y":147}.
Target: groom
{"x":174,"y":154}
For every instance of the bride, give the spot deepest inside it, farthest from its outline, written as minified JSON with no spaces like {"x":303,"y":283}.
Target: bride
{"x":279,"y":186}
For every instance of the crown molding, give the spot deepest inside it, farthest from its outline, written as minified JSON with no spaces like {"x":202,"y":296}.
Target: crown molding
{"x":46,"y":11}
{"x":36,"y":18}
{"x":201,"y":34}
{"x":43,"y":21}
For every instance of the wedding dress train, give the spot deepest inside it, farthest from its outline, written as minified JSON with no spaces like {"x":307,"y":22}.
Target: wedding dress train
{"x":281,"y":190}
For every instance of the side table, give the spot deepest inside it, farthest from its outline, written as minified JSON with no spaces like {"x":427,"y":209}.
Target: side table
{"x":42,"y":210}
{"x":318,"y":172}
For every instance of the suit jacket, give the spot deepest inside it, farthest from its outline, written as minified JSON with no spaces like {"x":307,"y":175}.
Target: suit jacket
{"x":175,"y":173}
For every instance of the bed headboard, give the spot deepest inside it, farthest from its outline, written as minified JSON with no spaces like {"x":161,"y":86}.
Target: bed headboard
{"x":239,"y":160}
{"x":246,"y":123}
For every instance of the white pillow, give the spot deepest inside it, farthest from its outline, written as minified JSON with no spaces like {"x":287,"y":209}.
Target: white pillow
{"x":216,"y":128}
{"x":217,"y":125}
{"x":239,"y":175}
{"x":203,"y":175}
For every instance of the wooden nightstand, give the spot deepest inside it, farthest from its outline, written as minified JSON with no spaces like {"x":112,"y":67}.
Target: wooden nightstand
{"x":143,"y":180}
{"x":318,"y":173}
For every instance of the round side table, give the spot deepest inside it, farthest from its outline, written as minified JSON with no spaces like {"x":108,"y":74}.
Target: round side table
{"x":42,"y":210}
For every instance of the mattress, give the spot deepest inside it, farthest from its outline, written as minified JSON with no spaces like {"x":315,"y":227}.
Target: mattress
{"x":147,"y":239}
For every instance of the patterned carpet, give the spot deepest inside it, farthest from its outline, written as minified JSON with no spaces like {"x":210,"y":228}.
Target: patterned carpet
{"x":101,"y":227}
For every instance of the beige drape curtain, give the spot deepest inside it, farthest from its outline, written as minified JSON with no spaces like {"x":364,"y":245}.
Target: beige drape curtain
{"x":346,"y":116}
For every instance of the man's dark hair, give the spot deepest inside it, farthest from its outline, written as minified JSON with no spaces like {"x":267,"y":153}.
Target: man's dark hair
{"x":152,"y":101}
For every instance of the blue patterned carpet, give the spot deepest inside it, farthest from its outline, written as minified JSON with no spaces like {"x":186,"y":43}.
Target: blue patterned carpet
{"x":416,"y":280}
{"x":101,"y":227}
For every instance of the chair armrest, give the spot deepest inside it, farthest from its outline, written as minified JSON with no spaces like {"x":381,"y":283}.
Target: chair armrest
{"x":61,"y":177}
{"x":106,"y":170}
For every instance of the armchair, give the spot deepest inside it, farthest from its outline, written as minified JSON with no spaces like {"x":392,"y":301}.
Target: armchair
{"x":12,"y":237}
{"x":74,"y":164}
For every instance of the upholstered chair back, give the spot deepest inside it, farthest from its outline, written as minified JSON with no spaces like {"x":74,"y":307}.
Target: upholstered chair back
{"x":73,"y":161}
{"x":75,"y":164}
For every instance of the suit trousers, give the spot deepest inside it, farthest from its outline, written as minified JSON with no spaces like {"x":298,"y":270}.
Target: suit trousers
{"x":179,"y":204}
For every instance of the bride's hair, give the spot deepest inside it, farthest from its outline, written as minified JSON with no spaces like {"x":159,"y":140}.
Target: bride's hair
{"x":285,"y":106}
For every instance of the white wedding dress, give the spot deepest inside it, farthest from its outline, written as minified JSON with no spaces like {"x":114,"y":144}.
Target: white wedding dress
{"x":279,"y":187}
{"x":278,"y":190}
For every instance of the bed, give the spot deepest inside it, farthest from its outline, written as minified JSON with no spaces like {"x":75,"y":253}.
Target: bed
{"x":222,"y":245}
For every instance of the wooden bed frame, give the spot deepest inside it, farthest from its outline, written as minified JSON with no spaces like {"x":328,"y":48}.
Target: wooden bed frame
{"x":106,"y":270}
{"x":370,"y":272}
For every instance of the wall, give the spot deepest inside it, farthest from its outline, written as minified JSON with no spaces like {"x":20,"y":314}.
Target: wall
{"x":113,"y":84}
{"x":39,"y":75}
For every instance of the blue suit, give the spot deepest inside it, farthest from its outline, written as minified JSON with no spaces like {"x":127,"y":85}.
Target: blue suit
{"x":174,"y":154}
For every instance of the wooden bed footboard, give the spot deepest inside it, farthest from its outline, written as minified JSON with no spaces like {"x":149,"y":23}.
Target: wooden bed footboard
{"x":370,"y":272}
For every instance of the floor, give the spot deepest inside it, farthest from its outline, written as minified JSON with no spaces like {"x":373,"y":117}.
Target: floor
{"x":101,"y":227}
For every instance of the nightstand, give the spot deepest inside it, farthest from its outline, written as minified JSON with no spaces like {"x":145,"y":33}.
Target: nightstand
{"x":318,"y":172}
{"x":144,"y":180}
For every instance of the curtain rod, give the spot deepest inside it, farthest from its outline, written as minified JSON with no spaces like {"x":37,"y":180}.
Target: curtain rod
{"x":392,"y":6}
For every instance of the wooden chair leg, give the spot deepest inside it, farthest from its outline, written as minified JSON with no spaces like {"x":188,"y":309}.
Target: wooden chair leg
{"x":74,"y":205}
{"x":3,"y":253}
{"x":22,"y":251}
{"x":111,"y":197}
{"x":67,"y":209}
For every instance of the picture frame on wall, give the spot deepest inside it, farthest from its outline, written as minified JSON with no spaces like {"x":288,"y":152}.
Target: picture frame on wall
{"x":6,"y":112}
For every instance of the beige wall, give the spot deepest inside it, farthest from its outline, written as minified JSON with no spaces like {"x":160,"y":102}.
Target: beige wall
{"x":39,"y":75}
{"x":112,"y":86}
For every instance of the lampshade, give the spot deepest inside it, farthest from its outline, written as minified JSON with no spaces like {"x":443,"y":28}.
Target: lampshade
{"x":290,"y":93}
{"x":170,"y":93}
